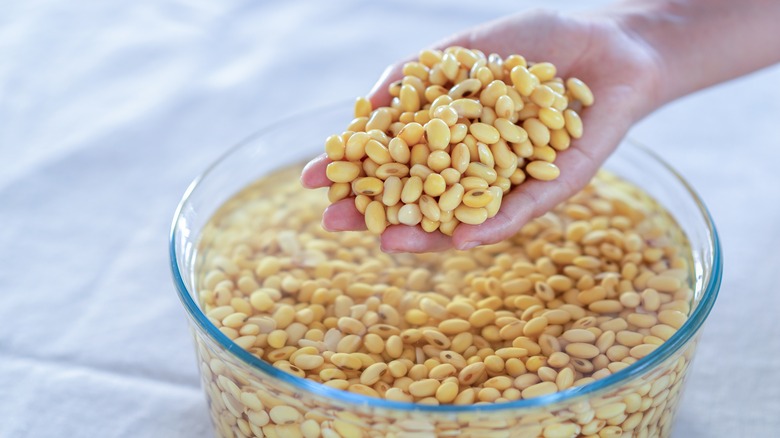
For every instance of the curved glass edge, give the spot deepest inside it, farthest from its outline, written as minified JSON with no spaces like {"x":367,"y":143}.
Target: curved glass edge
{"x":690,"y":328}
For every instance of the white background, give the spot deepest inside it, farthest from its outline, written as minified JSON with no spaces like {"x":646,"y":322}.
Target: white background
{"x":108,"y":111}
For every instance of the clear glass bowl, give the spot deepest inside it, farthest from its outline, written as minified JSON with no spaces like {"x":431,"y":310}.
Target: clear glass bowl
{"x":249,"y":397}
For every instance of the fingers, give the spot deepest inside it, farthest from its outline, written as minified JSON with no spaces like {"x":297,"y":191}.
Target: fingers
{"x":402,"y":238}
{"x":343,"y":216}
{"x":313,"y":174}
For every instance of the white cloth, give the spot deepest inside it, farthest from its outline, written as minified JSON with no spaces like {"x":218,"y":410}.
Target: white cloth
{"x":109,"y":109}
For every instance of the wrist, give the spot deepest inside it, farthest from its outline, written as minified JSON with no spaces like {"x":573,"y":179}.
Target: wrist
{"x":650,"y":25}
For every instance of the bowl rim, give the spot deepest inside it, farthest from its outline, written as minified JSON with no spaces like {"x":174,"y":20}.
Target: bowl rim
{"x":687,"y":331}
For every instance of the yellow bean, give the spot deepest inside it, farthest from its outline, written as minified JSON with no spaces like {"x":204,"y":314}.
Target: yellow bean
{"x":429,"y":226}
{"x":379,"y":136}
{"x":573,"y":123}
{"x":582,"y":350}
{"x":380,"y":119}
{"x":410,"y":214}
{"x":342,"y":171}
{"x":523,"y":149}
{"x":473,"y":183}
{"x":485,"y":133}
{"x":551,"y":117}
{"x":492,"y":92}
{"x":517,"y":177}
{"x":481,"y":171}
{"x":357,"y":124}
{"x":392,"y":169}
{"x":412,"y":133}
{"x":544,"y":153}
{"x":487,"y":116}
{"x":458,"y":132}
{"x":370,"y":167}
{"x":356,"y":146}
{"x":470,"y":215}
{"x":392,"y":213}
{"x":560,"y":103}
{"x":537,"y":131}
{"x":419,"y":154}
{"x":545,"y":71}
{"x":361,"y":203}
{"x":467,"y":108}
{"x":539,"y":389}
{"x":368,"y":186}
{"x":410,"y":99}
{"x":430,"y":208}
{"x":434,"y":185}
{"x":580,"y":91}
{"x":504,"y":156}
{"x":505,"y":107}
{"x":430,"y":57}
{"x":445,"y":113}
{"x":438,"y":134}
{"x":334,"y":147}
{"x":339,"y":191}
{"x":530,"y":110}
{"x":420,"y":170}
{"x":543,"y":170}
{"x":443,"y":100}
{"x":439,"y":160}
{"x":363,"y":107}
{"x":467,"y":88}
{"x":391,"y":194}
{"x":434,"y":91}
{"x":417,"y":69}
{"x":543,"y":96}
{"x":514,"y":60}
{"x":416,"y":83}
{"x":449,"y":66}
{"x":451,"y":197}
{"x":397,"y":149}
{"x":375,"y":217}
{"x":560,"y":139}
{"x":448,"y":227}
{"x":412,"y":190}
{"x":450,"y":175}
{"x":378,"y":152}
{"x":461,"y":157}
{"x":485,"y":155}
{"x":484,"y":75}
{"x":523,"y":81}
{"x":477,"y":198}
{"x":509,"y":131}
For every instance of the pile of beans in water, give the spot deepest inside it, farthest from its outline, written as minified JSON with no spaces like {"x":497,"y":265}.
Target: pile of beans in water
{"x":578,"y":294}
{"x":462,"y":129}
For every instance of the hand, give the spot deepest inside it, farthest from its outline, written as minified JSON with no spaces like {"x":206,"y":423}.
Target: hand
{"x":621,"y":70}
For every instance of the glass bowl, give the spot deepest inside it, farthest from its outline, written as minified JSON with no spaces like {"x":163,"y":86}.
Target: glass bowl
{"x":249,"y":397}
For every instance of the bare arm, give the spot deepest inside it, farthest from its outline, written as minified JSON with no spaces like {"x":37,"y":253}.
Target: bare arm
{"x":701,"y":43}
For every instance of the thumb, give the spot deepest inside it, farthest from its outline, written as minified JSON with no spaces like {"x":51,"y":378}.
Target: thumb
{"x":379,"y":94}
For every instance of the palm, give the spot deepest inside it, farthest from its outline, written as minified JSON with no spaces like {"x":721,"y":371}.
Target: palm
{"x":619,"y":69}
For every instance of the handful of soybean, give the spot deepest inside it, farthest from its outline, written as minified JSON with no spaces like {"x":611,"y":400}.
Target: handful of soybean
{"x":462,"y":129}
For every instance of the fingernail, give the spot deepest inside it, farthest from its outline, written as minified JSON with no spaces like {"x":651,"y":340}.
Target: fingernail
{"x":468,"y":245}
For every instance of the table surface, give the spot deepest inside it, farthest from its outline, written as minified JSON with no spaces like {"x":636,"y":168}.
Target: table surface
{"x":108,"y":111}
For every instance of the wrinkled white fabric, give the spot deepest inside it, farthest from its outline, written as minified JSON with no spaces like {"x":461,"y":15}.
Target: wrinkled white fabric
{"x":109,"y":109}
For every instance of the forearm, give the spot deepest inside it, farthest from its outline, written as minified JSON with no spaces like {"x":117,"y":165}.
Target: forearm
{"x":700,"y":43}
